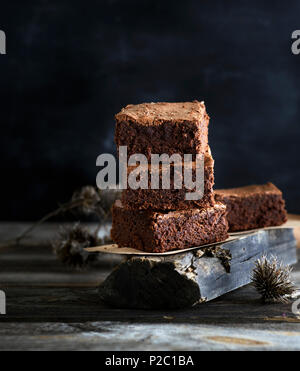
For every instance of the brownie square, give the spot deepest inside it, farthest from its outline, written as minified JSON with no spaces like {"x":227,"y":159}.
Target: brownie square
{"x":251,"y":207}
{"x":157,"y":128}
{"x":171,"y":199}
{"x":159,"y":232}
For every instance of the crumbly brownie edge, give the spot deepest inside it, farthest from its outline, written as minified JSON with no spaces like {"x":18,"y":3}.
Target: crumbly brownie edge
{"x":171,"y":199}
{"x":131,"y":228}
{"x":169,"y":138}
{"x":253,"y":211}
{"x":161,"y":232}
{"x":191,"y":228}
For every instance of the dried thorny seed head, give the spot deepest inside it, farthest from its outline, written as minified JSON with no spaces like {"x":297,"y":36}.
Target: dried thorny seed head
{"x":70,"y":246}
{"x":272,"y":280}
{"x":89,"y":198}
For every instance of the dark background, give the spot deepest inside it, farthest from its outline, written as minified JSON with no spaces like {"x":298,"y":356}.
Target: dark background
{"x":70,"y":66}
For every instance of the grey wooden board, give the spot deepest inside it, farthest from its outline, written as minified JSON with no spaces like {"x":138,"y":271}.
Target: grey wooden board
{"x":182,"y":280}
{"x":49,"y":308}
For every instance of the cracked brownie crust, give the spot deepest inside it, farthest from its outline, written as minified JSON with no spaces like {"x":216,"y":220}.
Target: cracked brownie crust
{"x":159,"y":128}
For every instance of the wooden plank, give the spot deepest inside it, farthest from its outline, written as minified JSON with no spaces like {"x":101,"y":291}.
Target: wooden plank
{"x":33,"y":263}
{"x":295,"y":219}
{"x":70,"y":305}
{"x":66,"y":314}
{"x":182,"y":280}
{"x":107,"y":336}
{"x":74,"y":319}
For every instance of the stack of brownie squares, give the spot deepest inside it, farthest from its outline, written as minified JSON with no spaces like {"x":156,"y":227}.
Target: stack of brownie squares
{"x":161,"y":220}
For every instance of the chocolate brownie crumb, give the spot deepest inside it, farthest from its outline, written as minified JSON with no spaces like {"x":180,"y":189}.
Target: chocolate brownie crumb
{"x":159,"y":232}
{"x":252,"y":207}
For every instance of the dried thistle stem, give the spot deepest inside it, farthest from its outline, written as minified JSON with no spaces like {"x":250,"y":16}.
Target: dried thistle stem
{"x":88,"y":200}
{"x":62,"y":209}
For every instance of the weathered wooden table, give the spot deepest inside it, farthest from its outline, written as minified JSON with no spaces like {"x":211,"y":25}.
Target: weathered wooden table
{"x":52,"y":308}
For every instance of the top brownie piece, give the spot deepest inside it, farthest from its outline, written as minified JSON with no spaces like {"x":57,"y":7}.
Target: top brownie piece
{"x":157,"y":128}
{"x":251,"y":207}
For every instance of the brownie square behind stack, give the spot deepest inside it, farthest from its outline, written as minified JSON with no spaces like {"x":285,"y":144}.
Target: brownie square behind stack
{"x":251,"y":207}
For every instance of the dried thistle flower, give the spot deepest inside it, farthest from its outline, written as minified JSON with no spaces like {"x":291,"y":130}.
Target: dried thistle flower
{"x":272,"y":280}
{"x":89,"y":198}
{"x":70,"y":246}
